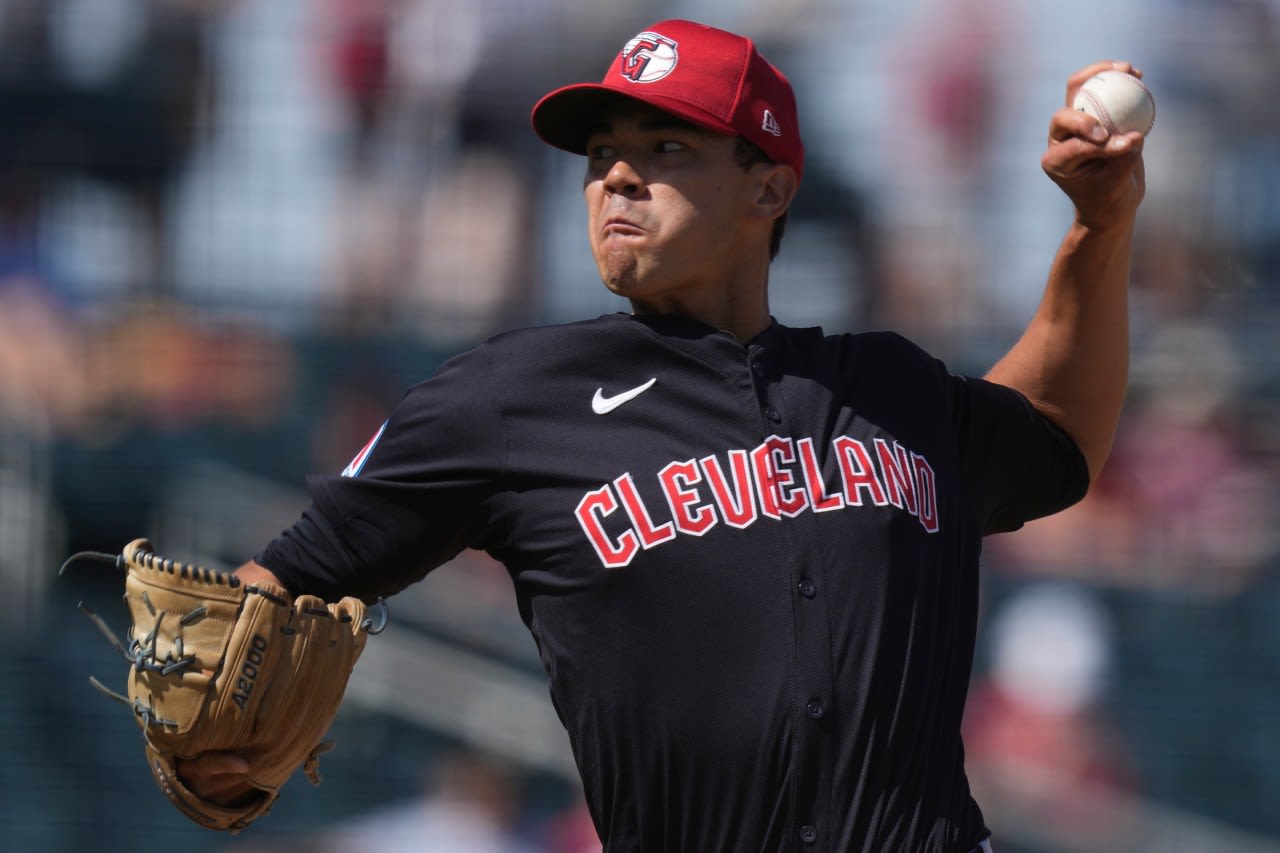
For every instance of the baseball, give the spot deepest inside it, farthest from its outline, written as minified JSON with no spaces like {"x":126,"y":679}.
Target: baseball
{"x":1119,"y":100}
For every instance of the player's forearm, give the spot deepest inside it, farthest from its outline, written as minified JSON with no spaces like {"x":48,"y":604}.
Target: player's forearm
{"x":1072,"y":361}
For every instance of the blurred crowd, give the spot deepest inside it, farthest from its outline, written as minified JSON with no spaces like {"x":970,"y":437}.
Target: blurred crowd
{"x":232,"y":232}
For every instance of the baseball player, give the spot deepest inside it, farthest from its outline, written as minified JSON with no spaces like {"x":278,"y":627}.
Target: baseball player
{"x":747,"y":553}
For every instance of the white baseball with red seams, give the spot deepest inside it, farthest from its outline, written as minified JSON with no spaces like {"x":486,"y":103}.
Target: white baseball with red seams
{"x":1121,"y":101}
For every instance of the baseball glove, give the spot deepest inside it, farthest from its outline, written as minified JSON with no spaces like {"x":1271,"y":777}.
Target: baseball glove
{"x":218,"y":665}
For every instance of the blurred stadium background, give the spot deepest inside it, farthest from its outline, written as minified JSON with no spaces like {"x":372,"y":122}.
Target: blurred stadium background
{"x":232,"y":231}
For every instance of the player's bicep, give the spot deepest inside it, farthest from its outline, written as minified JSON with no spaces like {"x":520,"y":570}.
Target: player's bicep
{"x":1021,"y":466}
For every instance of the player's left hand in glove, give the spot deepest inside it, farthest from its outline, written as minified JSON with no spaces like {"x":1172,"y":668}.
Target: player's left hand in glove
{"x":216,"y":665}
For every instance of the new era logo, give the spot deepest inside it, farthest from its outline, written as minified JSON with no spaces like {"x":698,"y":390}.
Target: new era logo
{"x":770,"y":124}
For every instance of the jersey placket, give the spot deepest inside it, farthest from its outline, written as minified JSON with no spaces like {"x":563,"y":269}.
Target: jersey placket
{"x":814,"y":713}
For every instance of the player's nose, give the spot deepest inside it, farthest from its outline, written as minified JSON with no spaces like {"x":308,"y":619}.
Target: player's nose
{"x":623,"y":178}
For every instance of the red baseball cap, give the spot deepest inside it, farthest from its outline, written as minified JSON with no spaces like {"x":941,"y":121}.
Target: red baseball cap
{"x":712,"y":78}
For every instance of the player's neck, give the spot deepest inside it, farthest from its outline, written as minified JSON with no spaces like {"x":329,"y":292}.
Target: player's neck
{"x":743,"y":313}
{"x":732,"y":296}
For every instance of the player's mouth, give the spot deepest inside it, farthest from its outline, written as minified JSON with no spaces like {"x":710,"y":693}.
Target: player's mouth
{"x":620,"y":226}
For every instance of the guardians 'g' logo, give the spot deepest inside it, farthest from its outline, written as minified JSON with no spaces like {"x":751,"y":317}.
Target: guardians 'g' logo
{"x":648,"y":58}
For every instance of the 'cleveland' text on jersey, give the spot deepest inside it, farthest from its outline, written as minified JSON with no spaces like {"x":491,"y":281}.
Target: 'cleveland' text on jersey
{"x":780,"y":477}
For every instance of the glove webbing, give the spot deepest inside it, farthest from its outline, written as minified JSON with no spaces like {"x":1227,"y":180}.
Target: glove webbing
{"x":141,"y":652}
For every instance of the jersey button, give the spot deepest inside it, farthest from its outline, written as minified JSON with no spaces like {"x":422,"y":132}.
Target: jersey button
{"x":757,"y":368}
{"x":808,"y":834}
{"x":808,"y":588}
{"x":772,"y":414}
{"x":815,"y":709}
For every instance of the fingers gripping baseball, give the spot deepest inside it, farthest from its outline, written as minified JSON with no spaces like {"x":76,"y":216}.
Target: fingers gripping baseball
{"x":1100,"y":171}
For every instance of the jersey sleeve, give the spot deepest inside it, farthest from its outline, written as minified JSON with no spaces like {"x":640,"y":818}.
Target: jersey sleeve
{"x":1021,"y":465}
{"x":413,"y":498}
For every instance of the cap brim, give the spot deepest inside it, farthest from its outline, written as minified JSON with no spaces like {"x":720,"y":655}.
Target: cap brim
{"x":566,"y":117}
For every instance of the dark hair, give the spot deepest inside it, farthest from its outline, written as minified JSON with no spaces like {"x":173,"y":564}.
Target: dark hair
{"x":747,"y":154}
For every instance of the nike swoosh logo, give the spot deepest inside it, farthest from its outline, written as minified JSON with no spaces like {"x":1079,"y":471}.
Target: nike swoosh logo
{"x":602,"y":405}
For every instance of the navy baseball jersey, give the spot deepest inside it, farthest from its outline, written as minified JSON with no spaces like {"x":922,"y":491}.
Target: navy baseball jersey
{"x":751,"y":570}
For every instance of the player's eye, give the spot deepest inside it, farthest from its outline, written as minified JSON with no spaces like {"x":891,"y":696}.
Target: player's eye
{"x":669,"y":146}
{"x":601,"y":152}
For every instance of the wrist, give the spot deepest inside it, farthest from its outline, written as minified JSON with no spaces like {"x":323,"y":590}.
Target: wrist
{"x":253,"y":574}
{"x":1111,"y":226}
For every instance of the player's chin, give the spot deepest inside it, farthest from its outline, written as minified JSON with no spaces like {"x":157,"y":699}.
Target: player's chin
{"x":619,"y":270}
{"x":624,"y":287}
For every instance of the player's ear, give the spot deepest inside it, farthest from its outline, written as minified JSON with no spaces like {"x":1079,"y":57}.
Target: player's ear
{"x":774,"y":189}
